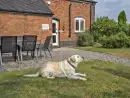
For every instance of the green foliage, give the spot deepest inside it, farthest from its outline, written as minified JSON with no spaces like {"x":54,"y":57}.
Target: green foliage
{"x":96,"y":44}
{"x":128,"y":42}
{"x":115,"y":41}
{"x":124,"y":28}
{"x":122,"y":18}
{"x":107,"y":32}
{"x":85,"y":39}
{"x":103,"y":26}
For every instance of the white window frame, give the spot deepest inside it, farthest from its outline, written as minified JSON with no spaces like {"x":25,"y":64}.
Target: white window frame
{"x":79,"y":19}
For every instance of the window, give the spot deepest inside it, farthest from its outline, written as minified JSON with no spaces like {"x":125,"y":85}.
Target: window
{"x":79,"y":24}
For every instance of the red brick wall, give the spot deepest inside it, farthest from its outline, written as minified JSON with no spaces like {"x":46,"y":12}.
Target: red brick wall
{"x":61,"y":10}
{"x":18,"y":25}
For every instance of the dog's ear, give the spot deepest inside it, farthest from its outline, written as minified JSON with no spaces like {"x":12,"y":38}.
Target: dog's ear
{"x":73,"y":59}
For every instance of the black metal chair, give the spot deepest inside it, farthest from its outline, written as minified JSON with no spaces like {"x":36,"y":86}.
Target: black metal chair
{"x":9,"y":45}
{"x":29,"y":45}
{"x":47,"y":46}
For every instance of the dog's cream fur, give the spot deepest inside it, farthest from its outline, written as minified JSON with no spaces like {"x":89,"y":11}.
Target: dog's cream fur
{"x":65,"y":68}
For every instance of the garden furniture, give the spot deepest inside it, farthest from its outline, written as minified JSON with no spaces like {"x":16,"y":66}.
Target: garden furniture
{"x":9,"y":45}
{"x":28,"y":45}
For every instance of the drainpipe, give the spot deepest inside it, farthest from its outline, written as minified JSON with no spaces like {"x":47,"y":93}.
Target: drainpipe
{"x":92,"y":13}
{"x":70,"y":20}
{"x":90,"y":16}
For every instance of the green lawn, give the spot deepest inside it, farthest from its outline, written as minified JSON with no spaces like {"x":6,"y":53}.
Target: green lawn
{"x":122,"y":52}
{"x":104,"y":80}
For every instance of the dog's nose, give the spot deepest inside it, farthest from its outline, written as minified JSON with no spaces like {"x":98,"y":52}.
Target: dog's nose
{"x":83,"y":58}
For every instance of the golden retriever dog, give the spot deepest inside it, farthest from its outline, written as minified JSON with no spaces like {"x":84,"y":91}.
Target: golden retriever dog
{"x":65,"y":68}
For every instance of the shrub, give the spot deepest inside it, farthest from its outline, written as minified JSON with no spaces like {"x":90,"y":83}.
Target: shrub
{"x":128,"y":42}
{"x":124,"y":28}
{"x":96,"y":44}
{"x":115,"y":41}
{"x":85,"y":39}
{"x":105,"y":41}
{"x":103,"y":26}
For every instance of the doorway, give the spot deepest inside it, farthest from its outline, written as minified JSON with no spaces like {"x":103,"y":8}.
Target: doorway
{"x":55,"y":32}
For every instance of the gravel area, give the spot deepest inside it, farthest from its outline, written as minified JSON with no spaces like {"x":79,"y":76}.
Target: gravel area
{"x":60,"y":54}
{"x":88,"y":55}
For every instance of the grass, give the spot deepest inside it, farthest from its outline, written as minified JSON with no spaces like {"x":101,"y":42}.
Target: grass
{"x":122,"y":52}
{"x":104,"y":80}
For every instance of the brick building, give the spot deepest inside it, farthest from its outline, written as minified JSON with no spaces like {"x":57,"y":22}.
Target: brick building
{"x":63,"y":19}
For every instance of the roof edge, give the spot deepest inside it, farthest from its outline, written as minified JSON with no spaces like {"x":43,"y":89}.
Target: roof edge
{"x":25,"y":13}
{"x":84,"y":1}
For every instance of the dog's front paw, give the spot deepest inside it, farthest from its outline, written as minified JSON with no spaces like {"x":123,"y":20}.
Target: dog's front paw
{"x":84,"y":75}
{"x":84,"y":79}
{"x":50,"y":77}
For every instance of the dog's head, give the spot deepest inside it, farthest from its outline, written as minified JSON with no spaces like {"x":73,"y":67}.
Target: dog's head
{"x":75,"y":60}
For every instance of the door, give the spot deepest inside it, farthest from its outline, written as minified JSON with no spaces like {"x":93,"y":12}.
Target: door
{"x":55,"y":33}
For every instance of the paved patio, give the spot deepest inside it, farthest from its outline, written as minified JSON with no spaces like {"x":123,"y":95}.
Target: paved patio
{"x":61,"y":54}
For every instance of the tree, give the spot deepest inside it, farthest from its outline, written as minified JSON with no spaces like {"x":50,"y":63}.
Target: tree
{"x":122,"y":18}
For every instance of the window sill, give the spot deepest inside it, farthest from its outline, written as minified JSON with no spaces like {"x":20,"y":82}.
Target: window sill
{"x":79,"y":31}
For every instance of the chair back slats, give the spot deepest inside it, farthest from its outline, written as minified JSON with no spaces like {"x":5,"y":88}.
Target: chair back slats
{"x":48,"y":43}
{"x":8,"y":44}
{"x":29,"y":43}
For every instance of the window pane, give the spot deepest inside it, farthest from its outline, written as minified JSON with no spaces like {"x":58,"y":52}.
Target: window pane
{"x":53,"y":28}
{"x":54,"y":39}
{"x":77,"y":25}
{"x":82,"y":25}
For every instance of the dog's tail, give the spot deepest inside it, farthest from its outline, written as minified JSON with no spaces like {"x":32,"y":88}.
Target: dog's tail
{"x":32,"y":75}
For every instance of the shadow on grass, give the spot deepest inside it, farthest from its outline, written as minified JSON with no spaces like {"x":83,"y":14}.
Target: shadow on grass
{"x":115,"y":72}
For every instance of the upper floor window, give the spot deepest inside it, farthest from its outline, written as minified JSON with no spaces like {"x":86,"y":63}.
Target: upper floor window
{"x":79,"y":24}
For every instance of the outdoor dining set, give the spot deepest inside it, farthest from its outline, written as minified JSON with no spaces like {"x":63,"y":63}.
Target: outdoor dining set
{"x":28,"y":44}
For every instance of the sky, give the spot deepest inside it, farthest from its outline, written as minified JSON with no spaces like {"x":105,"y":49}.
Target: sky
{"x":112,"y":8}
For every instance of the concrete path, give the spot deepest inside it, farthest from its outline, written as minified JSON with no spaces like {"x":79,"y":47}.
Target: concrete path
{"x":2,"y":69}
